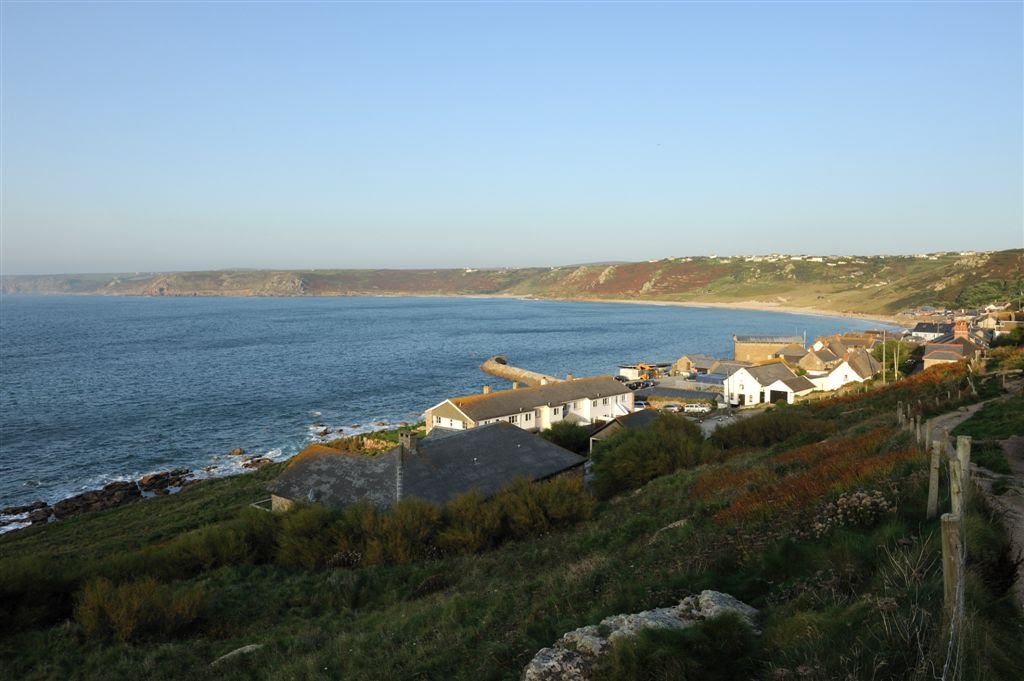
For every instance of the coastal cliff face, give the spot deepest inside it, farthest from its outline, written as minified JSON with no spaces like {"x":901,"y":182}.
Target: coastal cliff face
{"x":859,"y":284}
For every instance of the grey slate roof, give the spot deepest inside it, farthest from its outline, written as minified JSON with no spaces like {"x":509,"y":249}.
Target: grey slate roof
{"x":798,"y":383}
{"x":638,"y":419}
{"x":728,"y":367}
{"x":701,"y":361}
{"x":769,"y":373}
{"x":931,"y":327}
{"x":486,"y":458}
{"x":505,"y":402}
{"x":863,"y":363}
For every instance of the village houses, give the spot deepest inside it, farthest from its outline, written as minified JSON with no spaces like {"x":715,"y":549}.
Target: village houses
{"x":582,"y":401}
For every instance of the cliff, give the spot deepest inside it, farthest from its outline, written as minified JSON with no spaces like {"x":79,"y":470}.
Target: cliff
{"x":857,"y":284}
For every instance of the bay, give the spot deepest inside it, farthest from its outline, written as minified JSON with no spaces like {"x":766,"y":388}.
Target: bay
{"x":94,"y":389}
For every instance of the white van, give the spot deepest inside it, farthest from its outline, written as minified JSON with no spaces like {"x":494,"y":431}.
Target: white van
{"x":696,"y":409}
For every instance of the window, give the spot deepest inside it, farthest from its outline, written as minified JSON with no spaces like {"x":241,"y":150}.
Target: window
{"x":595,"y":403}
{"x":604,"y":401}
{"x":513,"y":418}
{"x":554,"y":411}
{"x":527,"y":417}
{"x":437,"y":419}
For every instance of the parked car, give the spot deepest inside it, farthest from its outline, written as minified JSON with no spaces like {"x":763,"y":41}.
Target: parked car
{"x":697,"y":409}
{"x":636,"y":385}
{"x":640,"y":404}
{"x":674,"y":408}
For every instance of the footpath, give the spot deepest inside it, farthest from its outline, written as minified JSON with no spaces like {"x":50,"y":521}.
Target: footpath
{"x":1010,"y":504}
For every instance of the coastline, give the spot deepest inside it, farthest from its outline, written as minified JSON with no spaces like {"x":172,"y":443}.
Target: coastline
{"x":752,"y":305}
{"x":274,"y":455}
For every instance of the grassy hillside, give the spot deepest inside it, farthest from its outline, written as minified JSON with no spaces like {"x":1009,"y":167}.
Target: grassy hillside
{"x":821,"y":526}
{"x":860,"y":284}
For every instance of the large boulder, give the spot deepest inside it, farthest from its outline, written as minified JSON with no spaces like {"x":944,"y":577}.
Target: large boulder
{"x":161,"y":481}
{"x":574,"y":656}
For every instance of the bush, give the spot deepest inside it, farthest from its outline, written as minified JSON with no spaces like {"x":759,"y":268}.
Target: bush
{"x":631,"y":458}
{"x":471,"y":524}
{"x":570,"y":436}
{"x":304,"y":538}
{"x":136,"y":610}
{"x":406,"y":533}
{"x":772,"y":427}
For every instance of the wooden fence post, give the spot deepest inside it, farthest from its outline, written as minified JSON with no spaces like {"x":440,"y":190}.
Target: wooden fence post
{"x":956,"y":489}
{"x":899,"y":413}
{"x":917,"y":431}
{"x":927,"y":432}
{"x":963,"y":451}
{"x":951,"y":547}
{"x":963,"y":455}
{"x":933,"y":482}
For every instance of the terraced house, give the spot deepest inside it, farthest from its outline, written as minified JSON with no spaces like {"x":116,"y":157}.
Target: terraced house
{"x":581,"y":400}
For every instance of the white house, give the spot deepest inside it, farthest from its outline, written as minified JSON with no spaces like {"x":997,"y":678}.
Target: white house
{"x":856,"y":366}
{"x":767,"y":383}
{"x":581,"y":400}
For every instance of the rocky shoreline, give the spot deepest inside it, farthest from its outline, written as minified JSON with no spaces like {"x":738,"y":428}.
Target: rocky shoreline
{"x":112,"y":495}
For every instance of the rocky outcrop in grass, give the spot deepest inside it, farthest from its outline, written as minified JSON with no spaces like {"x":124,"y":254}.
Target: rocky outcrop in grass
{"x":574,"y":656}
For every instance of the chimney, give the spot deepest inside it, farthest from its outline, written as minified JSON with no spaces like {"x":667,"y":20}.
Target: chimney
{"x":960,"y":329}
{"x":544,"y":381}
{"x":407,"y":440}
{"x":515,"y":385}
{"x":569,"y":377}
{"x":487,"y":389}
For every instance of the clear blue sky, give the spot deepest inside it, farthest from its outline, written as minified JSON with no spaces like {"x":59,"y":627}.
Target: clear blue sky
{"x":145,"y":136}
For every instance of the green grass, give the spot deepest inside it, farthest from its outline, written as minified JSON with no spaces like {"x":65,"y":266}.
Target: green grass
{"x":997,"y":420}
{"x":827,"y":603}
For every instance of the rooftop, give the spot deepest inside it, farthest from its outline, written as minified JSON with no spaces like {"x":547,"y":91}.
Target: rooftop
{"x":505,"y":402}
{"x":485,"y":459}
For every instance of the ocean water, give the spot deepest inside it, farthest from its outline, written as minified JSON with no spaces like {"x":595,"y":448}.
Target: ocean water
{"x":94,"y":389}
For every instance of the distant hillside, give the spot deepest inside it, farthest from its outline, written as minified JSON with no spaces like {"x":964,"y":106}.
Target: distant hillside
{"x":858,"y":284}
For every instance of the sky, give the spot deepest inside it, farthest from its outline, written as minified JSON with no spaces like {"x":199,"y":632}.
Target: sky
{"x":203,"y":135}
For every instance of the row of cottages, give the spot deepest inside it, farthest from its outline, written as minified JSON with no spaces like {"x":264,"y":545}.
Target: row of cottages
{"x":765,"y":384}
{"x":581,"y":400}
{"x":436,"y":469}
{"x":953,"y":347}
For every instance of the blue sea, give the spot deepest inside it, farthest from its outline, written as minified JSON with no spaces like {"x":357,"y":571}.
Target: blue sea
{"x":95,"y":389}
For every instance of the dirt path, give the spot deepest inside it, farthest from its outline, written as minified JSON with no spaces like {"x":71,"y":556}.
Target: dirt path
{"x":1010,"y":504}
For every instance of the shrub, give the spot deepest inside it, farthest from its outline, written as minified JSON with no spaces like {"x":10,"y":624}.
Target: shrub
{"x":570,"y":436}
{"x":631,"y":458}
{"x":772,"y":427}
{"x":407,"y":532}
{"x":471,"y":524}
{"x":303,"y":537}
{"x":853,"y":509}
{"x":138,"y":609}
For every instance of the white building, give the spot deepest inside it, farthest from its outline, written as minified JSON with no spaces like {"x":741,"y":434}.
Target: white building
{"x":581,"y":400}
{"x":856,"y":366}
{"x":767,"y":383}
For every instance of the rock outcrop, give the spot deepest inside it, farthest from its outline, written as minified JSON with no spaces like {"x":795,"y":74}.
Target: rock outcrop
{"x":114,"y":494}
{"x":574,"y":656}
{"x":161,"y":481}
